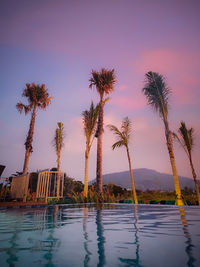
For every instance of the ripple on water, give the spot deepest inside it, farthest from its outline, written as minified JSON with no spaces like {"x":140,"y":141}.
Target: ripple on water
{"x":110,"y":235}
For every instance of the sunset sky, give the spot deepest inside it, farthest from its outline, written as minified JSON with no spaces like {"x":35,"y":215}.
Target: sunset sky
{"x":59,"y":42}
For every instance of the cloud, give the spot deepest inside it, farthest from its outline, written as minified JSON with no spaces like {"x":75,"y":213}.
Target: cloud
{"x":76,"y":141}
{"x":129,"y":102}
{"x":122,"y":87}
{"x":128,"y":98}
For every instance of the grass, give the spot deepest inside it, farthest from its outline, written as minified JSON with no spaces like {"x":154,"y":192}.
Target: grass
{"x":148,"y":197}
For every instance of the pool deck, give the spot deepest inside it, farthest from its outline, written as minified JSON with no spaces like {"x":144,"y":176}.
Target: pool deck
{"x":16,"y":204}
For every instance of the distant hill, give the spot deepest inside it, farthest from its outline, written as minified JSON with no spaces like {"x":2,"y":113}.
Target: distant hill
{"x":146,"y":179}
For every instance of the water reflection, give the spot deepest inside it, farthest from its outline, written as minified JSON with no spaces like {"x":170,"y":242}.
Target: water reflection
{"x":129,"y":234}
{"x":24,"y":230}
{"x":136,"y":261}
{"x":100,"y":238}
{"x":12,"y":251}
{"x":85,"y":234}
{"x":51,"y":243}
{"x":189,"y":245}
{"x":16,"y":226}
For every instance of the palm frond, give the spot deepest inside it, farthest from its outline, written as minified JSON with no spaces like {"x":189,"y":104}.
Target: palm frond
{"x":191,"y":137}
{"x":122,"y":135}
{"x":116,"y":131}
{"x":156,"y":92}
{"x":126,"y":127}
{"x":60,"y":125}
{"x":180,"y":141}
{"x":119,"y":143}
{"x":187,"y":136}
{"x":20,"y":107}
{"x":106,"y":100}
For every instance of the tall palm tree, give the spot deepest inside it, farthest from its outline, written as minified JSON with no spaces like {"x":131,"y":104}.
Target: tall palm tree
{"x":186,"y":139}
{"x":157,"y":94}
{"x":123,"y":137}
{"x":89,"y":123}
{"x":104,"y":82}
{"x":58,"y":143}
{"x":38,"y":98}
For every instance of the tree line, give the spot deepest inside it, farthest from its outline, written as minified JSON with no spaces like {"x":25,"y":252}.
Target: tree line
{"x":157,"y":94}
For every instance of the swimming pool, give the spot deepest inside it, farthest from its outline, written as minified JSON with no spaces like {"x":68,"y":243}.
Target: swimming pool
{"x":104,"y":235}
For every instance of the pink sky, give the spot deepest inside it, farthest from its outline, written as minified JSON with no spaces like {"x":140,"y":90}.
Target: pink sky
{"x":59,"y":42}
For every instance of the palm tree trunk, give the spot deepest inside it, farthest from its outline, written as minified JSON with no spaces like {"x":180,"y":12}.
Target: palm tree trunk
{"x":99,"y":147}
{"x":29,"y":140}
{"x":58,"y":177}
{"x":26,"y":160}
{"x":168,"y":135}
{"x":195,"y":178}
{"x":132,"y":180}
{"x":86,"y":173}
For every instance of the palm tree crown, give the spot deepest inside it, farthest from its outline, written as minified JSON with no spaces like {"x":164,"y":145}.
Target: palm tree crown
{"x":186,"y":138}
{"x":123,"y":136}
{"x":90,"y":120}
{"x":58,"y":141}
{"x":37,"y":95}
{"x":157,"y":92}
{"x":103,"y":81}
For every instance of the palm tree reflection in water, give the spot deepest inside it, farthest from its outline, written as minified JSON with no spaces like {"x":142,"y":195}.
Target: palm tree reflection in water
{"x":100,"y":238}
{"x":134,"y":262}
{"x":12,"y":251}
{"x":51,"y":243}
{"x":16,"y":243}
{"x":189,"y":244}
{"x":85,"y":233}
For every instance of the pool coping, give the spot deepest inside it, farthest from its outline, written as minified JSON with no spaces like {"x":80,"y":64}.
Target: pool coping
{"x":10,"y":205}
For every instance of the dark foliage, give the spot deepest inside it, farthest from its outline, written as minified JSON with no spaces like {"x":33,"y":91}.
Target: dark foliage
{"x":71,"y":186}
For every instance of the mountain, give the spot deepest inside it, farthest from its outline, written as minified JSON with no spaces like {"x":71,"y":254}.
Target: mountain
{"x":146,"y":179}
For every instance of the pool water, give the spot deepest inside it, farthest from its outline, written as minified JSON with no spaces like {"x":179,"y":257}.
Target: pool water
{"x":105,"y":235}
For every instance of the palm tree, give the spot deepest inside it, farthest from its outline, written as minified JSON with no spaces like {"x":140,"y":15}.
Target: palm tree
{"x":186,"y":139}
{"x":89,"y":123}
{"x":104,"y":82}
{"x":58,"y":143}
{"x":123,"y":137}
{"x":157,"y":94}
{"x":38,"y":98}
